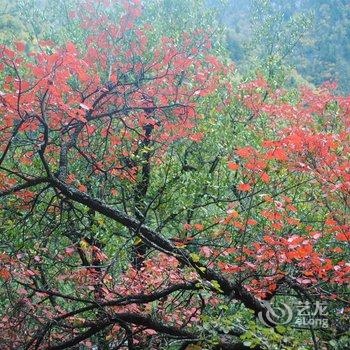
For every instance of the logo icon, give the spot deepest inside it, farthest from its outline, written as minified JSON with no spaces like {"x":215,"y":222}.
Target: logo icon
{"x":279,"y":314}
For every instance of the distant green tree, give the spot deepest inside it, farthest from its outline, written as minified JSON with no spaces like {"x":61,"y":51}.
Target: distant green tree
{"x":311,"y":35}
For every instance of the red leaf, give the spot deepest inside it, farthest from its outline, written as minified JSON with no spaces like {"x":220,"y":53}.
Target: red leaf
{"x":251,"y":222}
{"x":198,"y":227}
{"x":278,"y":154}
{"x":197,"y":137}
{"x":343,"y":237}
{"x":244,"y":187}
{"x":244,"y":152}
{"x":20,"y":46}
{"x":71,"y":47}
{"x":69,"y":250}
{"x":232,"y":165}
{"x":206,"y":251}
{"x":265,"y":178}
{"x":82,"y":188}
{"x":5,"y":274}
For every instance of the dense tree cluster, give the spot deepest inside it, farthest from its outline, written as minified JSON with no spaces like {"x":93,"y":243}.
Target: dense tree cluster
{"x":311,"y":35}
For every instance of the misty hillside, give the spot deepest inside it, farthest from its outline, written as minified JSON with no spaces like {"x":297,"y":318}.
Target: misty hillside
{"x":314,"y":33}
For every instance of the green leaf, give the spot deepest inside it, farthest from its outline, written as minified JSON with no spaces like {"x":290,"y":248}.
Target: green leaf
{"x":216,"y":286}
{"x":281,"y":329}
{"x":195,"y":257}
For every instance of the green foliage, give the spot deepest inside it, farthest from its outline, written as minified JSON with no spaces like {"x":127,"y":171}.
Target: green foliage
{"x":310,"y":35}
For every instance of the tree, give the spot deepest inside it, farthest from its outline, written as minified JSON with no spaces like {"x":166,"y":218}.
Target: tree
{"x":309,"y":35}
{"x":149,"y":202}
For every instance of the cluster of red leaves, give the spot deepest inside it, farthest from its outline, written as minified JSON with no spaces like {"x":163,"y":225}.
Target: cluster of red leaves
{"x":61,"y":88}
{"x":311,"y":142}
{"x":91,"y":284}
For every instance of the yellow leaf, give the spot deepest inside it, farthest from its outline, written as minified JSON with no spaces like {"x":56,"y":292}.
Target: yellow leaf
{"x":84,"y":244}
{"x":195,"y":257}
{"x":215,"y":284}
{"x":137,"y":241}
